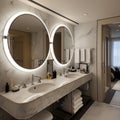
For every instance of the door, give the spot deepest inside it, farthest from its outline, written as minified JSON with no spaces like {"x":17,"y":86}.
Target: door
{"x":21,"y":48}
{"x":57,"y":46}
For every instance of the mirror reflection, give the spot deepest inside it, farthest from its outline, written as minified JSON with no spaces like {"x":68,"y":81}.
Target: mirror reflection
{"x":28,"y":41}
{"x":62,"y":44}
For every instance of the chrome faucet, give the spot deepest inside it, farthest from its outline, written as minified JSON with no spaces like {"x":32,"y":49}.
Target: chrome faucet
{"x":39,"y":80}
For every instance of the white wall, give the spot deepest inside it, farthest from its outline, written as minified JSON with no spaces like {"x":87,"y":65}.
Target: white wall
{"x":85,"y":37}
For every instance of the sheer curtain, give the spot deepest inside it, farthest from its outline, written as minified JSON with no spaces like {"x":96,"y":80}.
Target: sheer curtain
{"x":115,"y":56}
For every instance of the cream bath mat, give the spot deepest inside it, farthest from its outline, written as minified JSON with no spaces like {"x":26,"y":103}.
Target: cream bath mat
{"x":116,"y":86}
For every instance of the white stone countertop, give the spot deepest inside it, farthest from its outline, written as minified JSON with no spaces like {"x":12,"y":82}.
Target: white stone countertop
{"x":24,"y":104}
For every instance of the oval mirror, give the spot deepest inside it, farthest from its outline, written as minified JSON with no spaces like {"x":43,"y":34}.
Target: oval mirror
{"x":28,"y":41}
{"x":63,"y":45}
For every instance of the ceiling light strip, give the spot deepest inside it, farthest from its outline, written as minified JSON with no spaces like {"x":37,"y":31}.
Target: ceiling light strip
{"x":52,"y":11}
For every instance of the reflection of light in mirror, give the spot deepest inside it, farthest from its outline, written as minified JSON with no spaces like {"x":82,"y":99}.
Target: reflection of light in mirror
{"x":5,"y":41}
{"x":52,"y":48}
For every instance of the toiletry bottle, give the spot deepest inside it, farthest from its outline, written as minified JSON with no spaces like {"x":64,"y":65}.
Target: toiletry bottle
{"x":48,"y":76}
{"x":7,"y":87}
{"x":54,"y":74}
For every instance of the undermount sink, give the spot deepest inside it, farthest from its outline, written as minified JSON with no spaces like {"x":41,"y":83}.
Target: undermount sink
{"x":43,"y":87}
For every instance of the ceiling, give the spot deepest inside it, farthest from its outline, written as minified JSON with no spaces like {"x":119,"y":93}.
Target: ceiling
{"x":83,"y":10}
{"x":115,"y":30}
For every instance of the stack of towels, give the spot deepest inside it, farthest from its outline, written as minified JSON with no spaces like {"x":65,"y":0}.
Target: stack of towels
{"x":72,"y":102}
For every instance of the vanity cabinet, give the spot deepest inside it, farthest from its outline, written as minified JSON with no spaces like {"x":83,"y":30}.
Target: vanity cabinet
{"x":30,"y":104}
{"x":60,"y":113}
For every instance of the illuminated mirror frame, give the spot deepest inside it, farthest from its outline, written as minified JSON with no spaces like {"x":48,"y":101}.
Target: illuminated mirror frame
{"x":52,"y":45}
{"x":5,"y":41}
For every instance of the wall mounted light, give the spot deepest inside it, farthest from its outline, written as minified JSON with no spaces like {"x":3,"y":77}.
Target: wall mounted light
{"x":52,"y":49}
{"x":5,"y":41}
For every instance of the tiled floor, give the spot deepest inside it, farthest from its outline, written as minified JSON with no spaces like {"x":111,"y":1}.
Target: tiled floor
{"x":101,"y":111}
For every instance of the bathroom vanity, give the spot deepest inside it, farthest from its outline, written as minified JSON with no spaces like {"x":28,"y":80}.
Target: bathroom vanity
{"x":28,"y":101}
{"x":33,"y":98}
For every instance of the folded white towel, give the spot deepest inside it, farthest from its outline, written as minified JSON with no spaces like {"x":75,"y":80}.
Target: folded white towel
{"x":76,"y":97}
{"x":77,"y":56}
{"x":88,"y":55}
{"x":76,"y":92}
{"x":74,"y":106}
{"x":82,"y":53}
{"x":70,"y":109}
{"x":74,"y":102}
{"x":76,"y":109}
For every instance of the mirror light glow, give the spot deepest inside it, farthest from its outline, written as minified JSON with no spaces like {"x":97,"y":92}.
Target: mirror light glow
{"x":5,"y":41}
{"x":52,"y":49}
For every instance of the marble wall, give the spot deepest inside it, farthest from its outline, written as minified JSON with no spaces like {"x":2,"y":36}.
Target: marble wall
{"x":7,"y":71}
{"x":85,"y":37}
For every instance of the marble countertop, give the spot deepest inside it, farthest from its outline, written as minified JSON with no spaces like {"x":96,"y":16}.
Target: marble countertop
{"x":24,"y":104}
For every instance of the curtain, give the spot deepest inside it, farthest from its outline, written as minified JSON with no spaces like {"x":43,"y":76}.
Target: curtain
{"x":115,"y":52}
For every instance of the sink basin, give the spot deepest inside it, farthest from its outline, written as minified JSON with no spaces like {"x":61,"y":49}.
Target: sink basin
{"x":43,"y":87}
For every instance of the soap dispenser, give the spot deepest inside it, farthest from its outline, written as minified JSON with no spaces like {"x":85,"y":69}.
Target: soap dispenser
{"x":54,"y":74}
{"x":7,"y":87}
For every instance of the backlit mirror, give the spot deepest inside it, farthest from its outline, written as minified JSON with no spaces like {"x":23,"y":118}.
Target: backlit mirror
{"x":28,"y":41}
{"x":63,"y":45}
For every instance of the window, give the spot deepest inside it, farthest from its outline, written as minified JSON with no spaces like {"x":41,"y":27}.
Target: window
{"x":115,"y":56}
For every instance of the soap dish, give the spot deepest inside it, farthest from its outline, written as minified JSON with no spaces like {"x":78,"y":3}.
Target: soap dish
{"x":15,"y":89}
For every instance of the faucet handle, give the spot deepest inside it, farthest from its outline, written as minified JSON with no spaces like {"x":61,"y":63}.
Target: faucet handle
{"x":39,"y":80}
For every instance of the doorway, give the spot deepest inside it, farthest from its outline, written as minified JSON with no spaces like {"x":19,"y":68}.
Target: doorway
{"x":20,"y":48}
{"x":101,"y":57}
